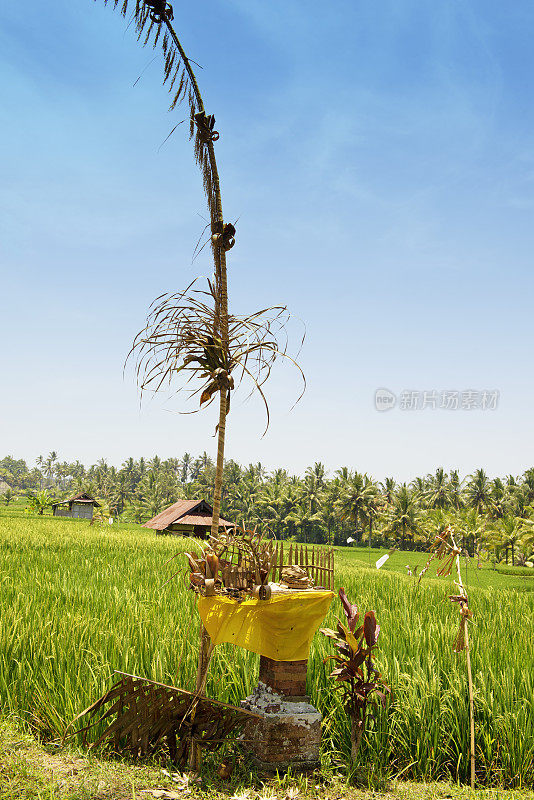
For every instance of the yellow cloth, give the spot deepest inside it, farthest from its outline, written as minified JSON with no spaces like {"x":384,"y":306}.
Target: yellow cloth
{"x":280,"y":628}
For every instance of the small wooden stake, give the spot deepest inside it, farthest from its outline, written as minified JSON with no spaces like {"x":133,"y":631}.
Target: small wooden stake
{"x":469,"y":673}
{"x":204,"y":656}
{"x":332,"y":570}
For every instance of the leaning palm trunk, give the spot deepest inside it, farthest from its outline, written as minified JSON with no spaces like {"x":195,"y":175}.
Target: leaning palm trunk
{"x":185,"y":333}
{"x":221,"y":287}
{"x":153,"y":17}
{"x":217,"y":490}
{"x":220,"y":330}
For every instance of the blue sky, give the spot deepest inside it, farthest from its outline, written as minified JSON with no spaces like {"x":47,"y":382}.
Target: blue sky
{"x":380,"y":160}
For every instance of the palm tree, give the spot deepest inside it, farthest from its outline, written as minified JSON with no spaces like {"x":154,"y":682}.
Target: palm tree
{"x":455,"y":490}
{"x":154,"y":464}
{"x":274,"y":510}
{"x":310,"y":496}
{"x":511,"y":483}
{"x":49,"y":464}
{"x":477,"y":492}
{"x":519,"y":502}
{"x":259,"y":470}
{"x":473,"y":528}
{"x":388,"y":490}
{"x":437,"y":493}
{"x":328,"y":514}
{"x":508,"y":532}
{"x":232,"y":474}
{"x":279,"y":477}
{"x":318,"y":472}
{"x":357,"y":501}
{"x":343,"y":474}
{"x":310,"y":522}
{"x":121,"y":492}
{"x":371,"y":512}
{"x":40,"y":464}
{"x":186,"y":466}
{"x":499,"y":499}
{"x":528,"y":484}
{"x":129,"y":465}
{"x":419,"y":485}
{"x":403,"y":518}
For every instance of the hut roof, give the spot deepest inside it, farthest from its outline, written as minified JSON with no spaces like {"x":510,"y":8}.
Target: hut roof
{"x":184,"y":512}
{"x":82,"y":497}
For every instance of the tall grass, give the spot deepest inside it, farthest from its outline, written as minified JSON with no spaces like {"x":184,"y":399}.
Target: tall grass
{"x":78,"y":602}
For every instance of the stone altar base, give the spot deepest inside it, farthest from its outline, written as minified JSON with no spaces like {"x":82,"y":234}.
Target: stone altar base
{"x":289,"y":733}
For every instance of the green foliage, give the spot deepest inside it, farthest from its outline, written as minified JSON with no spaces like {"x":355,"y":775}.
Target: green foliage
{"x":355,"y":672}
{"x":78,"y":602}
{"x":313,"y":508}
{"x":39,"y":501}
{"x":7,"y":497}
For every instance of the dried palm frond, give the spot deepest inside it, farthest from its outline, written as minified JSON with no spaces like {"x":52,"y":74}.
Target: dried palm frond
{"x":143,"y":715}
{"x":181,"y":338}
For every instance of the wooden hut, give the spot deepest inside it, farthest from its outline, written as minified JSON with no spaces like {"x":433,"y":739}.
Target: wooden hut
{"x":81,"y":506}
{"x":186,"y":517}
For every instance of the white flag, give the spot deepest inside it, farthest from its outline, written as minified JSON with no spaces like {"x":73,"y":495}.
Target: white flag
{"x":381,"y":561}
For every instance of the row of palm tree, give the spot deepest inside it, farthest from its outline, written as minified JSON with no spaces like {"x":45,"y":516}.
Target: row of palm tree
{"x":491,"y":514}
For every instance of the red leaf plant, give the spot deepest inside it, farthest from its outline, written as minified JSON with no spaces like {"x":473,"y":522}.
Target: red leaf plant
{"x":355,"y":672}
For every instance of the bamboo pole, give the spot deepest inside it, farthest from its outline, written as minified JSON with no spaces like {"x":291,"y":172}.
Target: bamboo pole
{"x":463,"y":611}
{"x":471,"y":708}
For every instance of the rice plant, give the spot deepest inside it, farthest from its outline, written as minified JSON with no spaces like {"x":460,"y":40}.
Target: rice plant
{"x":78,"y":602}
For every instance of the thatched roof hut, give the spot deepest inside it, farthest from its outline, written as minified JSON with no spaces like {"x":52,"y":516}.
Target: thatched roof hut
{"x":186,"y":517}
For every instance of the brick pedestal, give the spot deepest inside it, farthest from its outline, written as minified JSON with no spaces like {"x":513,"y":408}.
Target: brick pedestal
{"x":289,"y":733}
{"x":286,"y":678}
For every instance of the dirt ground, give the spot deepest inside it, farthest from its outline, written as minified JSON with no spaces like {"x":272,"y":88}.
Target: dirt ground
{"x":32,"y":771}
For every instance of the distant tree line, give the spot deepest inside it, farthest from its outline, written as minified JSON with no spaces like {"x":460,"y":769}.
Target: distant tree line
{"x":489,"y":514}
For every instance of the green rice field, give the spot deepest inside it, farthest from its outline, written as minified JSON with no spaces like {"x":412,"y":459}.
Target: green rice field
{"x":77,"y":602}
